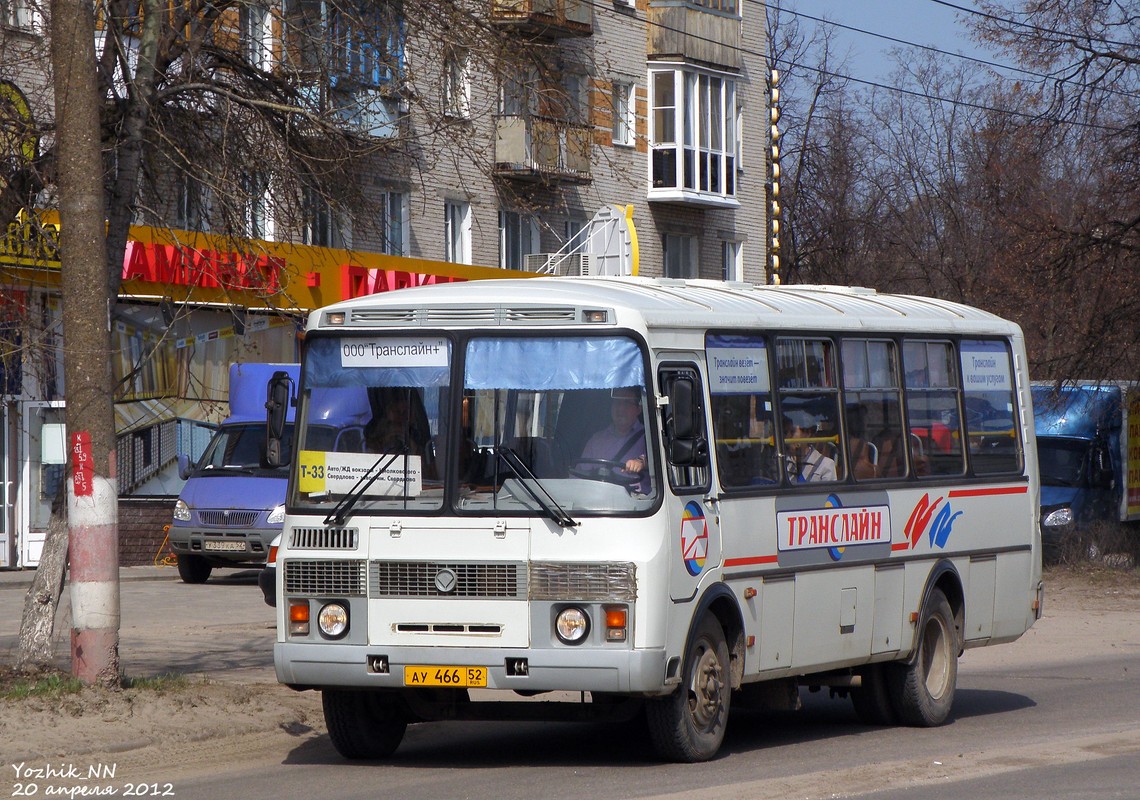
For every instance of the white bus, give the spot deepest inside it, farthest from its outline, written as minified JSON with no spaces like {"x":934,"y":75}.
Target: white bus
{"x":620,"y":493}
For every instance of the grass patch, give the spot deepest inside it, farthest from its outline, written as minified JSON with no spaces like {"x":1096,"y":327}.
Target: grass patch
{"x":19,"y":686}
{"x":158,"y":683}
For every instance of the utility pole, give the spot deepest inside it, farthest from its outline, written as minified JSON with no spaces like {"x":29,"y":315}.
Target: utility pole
{"x":92,"y":491}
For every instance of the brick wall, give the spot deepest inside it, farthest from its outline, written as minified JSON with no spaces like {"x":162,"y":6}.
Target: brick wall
{"x":141,"y":534}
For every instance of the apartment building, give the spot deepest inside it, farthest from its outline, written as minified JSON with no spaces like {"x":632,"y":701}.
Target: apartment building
{"x":500,"y":134}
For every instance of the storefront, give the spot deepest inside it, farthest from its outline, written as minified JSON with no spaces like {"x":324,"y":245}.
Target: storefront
{"x":189,"y":305}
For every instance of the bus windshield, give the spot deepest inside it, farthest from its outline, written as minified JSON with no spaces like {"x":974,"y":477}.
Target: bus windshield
{"x":543,"y":426}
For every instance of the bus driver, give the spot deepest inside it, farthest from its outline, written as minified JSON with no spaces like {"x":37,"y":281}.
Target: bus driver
{"x":623,"y":440}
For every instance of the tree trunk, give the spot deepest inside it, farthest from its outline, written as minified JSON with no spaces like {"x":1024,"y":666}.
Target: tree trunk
{"x":92,"y":492}
{"x":37,"y":625}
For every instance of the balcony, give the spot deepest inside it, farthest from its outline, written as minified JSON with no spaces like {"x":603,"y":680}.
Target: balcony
{"x":678,"y":30}
{"x":553,"y":19}
{"x":544,"y":149}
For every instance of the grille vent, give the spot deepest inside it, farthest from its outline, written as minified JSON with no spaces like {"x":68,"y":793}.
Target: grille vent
{"x":501,"y":581}
{"x":228,"y":519}
{"x":324,"y":578}
{"x":323,"y":539}
{"x":606,"y":582}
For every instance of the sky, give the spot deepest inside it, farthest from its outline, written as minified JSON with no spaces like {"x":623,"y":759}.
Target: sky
{"x":922,"y":22}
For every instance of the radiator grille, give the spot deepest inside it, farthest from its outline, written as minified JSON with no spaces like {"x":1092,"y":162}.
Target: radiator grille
{"x":504,"y":581}
{"x":606,"y":582}
{"x":323,"y":539}
{"x":228,"y":519}
{"x":324,"y":578}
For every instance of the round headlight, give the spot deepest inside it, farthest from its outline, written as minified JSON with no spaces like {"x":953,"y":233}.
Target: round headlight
{"x":182,"y":511}
{"x":572,"y":625}
{"x":333,"y":621}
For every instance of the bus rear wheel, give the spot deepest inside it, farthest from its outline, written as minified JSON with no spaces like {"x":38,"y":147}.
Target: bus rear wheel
{"x":922,"y":692}
{"x":363,"y":725}
{"x":689,"y":725}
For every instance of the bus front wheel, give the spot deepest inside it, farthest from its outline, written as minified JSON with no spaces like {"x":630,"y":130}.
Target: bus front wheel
{"x":922,"y":692}
{"x":364,"y":725}
{"x":689,"y":724}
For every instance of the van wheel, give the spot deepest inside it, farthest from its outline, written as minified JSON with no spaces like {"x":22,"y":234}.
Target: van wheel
{"x":872,"y":700}
{"x":689,"y":724}
{"x":365,"y":725}
{"x":193,"y":569}
{"x":923,"y":692}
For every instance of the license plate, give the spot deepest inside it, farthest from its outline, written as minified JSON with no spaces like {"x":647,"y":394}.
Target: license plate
{"x":445,"y":676}
{"x":228,"y":547}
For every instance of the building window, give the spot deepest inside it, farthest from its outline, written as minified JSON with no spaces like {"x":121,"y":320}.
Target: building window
{"x":320,"y":225}
{"x":623,"y":109}
{"x":366,"y":42}
{"x":22,"y":14}
{"x":732,"y":267}
{"x":192,"y":209}
{"x":727,"y":6}
{"x":680,"y":255}
{"x":457,"y":232}
{"x":257,"y":222}
{"x":457,"y":85}
{"x":693,"y":136}
{"x":394,"y":223}
{"x":518,"y":238}
{"x":257,"y":35}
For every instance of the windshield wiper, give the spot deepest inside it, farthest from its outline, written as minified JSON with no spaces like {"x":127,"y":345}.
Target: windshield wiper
{"x":352,"y":497}
{"x":549,"y":505}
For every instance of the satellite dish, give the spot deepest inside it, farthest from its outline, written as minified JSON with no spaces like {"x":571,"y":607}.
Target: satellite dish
{"x":611,"y":241}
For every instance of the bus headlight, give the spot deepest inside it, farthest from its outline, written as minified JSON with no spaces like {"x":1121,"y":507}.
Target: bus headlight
{"x":1058,"y":518}
{"x":572,"y":625}
{"x":333,"y":621}
{"x":277,"y":515}
{"x":181,"y":511}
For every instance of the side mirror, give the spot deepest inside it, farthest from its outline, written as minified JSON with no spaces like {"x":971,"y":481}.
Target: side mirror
{"x":681,"y":408}
{"x":183,"y":466}
{"x":1100,"y":468}
{"x":277,"y":398}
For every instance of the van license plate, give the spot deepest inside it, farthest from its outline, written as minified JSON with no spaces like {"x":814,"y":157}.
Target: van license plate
{"x":228,"y":547}
{"x":445,"y":676}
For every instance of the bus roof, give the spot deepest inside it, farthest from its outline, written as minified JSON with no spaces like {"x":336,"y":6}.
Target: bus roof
{"x":658,"y":302}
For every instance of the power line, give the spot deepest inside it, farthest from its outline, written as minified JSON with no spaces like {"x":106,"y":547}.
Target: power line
{"x":1067,"y":35}
{"x":962,"y":56}
{"x":885,"y":87}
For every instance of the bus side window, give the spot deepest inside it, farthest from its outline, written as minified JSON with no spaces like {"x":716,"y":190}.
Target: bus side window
{"x":873,"y":400}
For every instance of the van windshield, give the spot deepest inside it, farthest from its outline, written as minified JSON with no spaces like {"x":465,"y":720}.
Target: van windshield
{"x":237,"y":449}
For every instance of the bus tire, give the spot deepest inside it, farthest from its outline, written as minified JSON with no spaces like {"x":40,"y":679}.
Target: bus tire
{"x":872,"y":700}
{"x":689,"y":725}
{"x":362,"y":725}
{"x":193,"y":569}
{"x":922,"y":691}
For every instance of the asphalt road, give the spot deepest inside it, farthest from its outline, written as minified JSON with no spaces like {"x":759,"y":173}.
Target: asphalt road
{"x":1054,"y":715}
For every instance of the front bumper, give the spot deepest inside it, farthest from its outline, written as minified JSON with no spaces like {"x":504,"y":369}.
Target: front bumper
{"x":223,"y":545}
{"x":320,"y":665}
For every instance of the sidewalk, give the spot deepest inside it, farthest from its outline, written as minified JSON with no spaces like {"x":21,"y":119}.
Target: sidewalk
{"x":21,"y":578}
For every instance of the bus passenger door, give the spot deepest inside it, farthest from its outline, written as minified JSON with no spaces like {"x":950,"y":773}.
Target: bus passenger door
{"x":693,"y":516}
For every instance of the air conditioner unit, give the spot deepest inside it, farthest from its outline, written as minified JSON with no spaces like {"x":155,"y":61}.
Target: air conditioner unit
{"x":560,"y":263}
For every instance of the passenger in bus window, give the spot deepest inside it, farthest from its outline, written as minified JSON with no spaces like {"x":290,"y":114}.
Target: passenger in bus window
{"x":864,"y":455}
{"x":805,"y":462}
{"x":393,"y":431}
{"x":622,"y":442}
{"x":892,"y":459}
